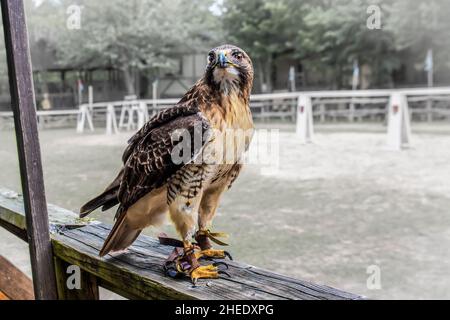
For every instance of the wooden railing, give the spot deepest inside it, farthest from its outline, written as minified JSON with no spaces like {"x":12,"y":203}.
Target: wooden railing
{"x":60,"y":242}
{"x":426,"y":104}
{"x":138,"y":273}
{"x":326,"y":105}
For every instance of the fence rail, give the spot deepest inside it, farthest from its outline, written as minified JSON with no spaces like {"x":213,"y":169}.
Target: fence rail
{"x":426,"y":103}
{"x":138,"y":273}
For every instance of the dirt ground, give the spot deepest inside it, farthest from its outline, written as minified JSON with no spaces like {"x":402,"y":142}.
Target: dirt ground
{"x":333,"y":209}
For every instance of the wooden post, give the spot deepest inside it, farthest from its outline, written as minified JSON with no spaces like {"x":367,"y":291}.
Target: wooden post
{"x":14,"y":283}
{"x":111,"y":122}
{"x":322,"y":112}
{"x":90,"y":96}
{"x":143,"y":116}
{"x":351,"y":112}
{"x":88,"y":289}
{"x":155,"y":93}
{"x":83,"y":117}
{"x":25,"y":119}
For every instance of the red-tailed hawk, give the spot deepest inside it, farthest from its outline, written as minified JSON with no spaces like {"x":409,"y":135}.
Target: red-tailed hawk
{"x":151,"y":183}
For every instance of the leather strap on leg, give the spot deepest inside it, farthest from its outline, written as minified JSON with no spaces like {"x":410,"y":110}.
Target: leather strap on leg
{"x":180,"y":262}
{"x":211,"y":236}
{"x":165,"y":240}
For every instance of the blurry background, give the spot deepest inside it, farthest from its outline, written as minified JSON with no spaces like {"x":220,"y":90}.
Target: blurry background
{"x":336,"y":207}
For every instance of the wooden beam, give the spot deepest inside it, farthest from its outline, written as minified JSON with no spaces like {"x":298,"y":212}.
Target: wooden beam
{"x":138,"y":273}
{"x":24,"y":108}
{"x":12,"y":216}
{"x":88,"y":284}
{"x":14,"y":283}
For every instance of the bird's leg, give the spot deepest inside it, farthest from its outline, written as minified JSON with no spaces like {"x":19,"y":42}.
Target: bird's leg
{"x":204,"y":238}
{"x":196,"y":270}
{"x":186,"y":260}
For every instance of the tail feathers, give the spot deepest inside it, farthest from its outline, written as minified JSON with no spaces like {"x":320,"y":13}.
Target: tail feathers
{"x":107,"y":199}
{"x":120,"y":238}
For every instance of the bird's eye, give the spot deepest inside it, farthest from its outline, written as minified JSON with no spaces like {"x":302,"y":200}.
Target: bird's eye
{"x":211,"y":57}
{"x":238,"y":55}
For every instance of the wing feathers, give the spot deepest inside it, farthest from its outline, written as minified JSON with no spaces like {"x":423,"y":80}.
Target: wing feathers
{"x":148,"y":158}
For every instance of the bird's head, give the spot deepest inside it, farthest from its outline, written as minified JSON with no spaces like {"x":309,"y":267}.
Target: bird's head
{"x":229,"y":69}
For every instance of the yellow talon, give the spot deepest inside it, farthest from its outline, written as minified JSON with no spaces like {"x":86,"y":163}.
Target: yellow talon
{"x":211,"y":253}
{"x":204,"y":272}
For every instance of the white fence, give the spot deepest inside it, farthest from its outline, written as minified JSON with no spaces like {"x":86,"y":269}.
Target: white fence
{"x":305,"y":107}
{"x":394,"y":107}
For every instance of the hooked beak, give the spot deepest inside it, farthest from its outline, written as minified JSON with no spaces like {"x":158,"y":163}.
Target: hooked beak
{"x":222,"y":60}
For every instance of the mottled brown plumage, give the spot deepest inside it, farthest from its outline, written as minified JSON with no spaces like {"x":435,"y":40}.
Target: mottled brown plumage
{"x":151,"y":183}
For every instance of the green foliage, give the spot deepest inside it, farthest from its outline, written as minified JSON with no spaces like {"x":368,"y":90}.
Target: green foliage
{"x":420,"y":25}
{"x":335,"y":34}
{"x":329,"y":35}
{"x":325,"y":35}
{"x":265,"y":29}
{"x":133,"y":35}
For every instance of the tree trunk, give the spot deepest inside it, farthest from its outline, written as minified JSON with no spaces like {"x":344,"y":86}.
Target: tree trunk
{"x":128,"y":77}
{"x":265,"y":73}
{"x":268,"y":72}
{"x":260,"y":72}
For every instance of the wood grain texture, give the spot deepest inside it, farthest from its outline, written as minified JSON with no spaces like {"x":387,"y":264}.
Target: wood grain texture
{"x":137,"y":274}
{"x":14,"y":283}
{"x":25,"y":120}
{"x":3,"y":296}
{"x":88,"y":284}
{"x":12,"y":215}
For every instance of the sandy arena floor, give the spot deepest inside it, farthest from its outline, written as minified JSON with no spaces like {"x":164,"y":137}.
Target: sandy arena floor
{"x":333,"y":209}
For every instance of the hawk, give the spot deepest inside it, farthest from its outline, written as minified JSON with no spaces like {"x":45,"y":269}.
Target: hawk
{"x":152,"y":184}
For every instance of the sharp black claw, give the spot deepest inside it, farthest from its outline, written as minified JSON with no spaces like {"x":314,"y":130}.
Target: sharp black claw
{"x":227,"y":254}
{"x":205,"y":258}
{"x":171,"y":272}
{"x":221,"y":264}
{"x":225,"y":273}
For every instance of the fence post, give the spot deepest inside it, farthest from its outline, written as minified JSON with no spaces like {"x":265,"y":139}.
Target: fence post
{"x":142,"y":114}
{"x":24,"y":107}
{"x":83,"y":117}
{"x":88,"y":287}
{"x":351,"y":113}
{"x":111,"y":122}
{"x":399,"y":126}
{"x":305,"y":130}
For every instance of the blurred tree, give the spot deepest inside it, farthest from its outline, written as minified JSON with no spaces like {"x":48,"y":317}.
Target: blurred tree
{"x":132,"y":36}
{"x":419,"y":26}
{"x":264,"y":28}
{"x":335,"y":33}
{"x":325,"y":35}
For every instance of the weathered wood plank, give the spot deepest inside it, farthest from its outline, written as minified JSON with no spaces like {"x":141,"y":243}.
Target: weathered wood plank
{"x":88,"y":289}
{"x":3,"y":296}
{"x":138,"y":273}
{"x":12,"y":215}
{"x":14,"y":283}
{"x":25,"y":120}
